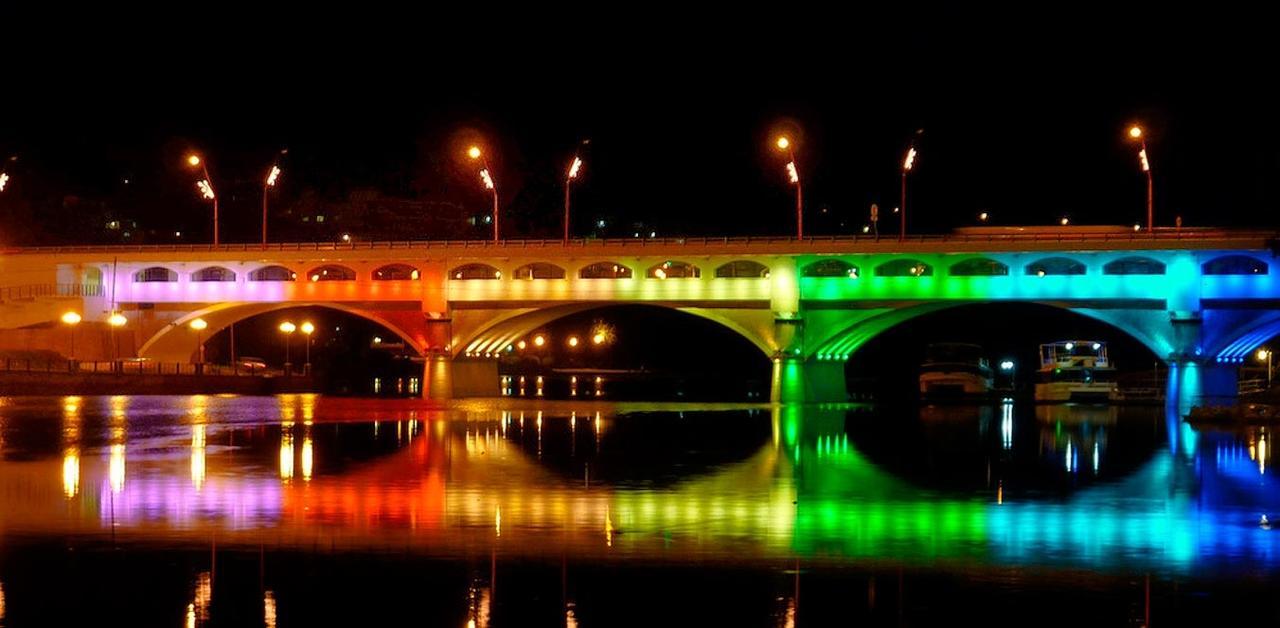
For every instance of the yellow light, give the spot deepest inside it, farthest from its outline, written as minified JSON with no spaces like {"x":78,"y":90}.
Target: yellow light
{"x":573,"y":341}
{"x":783,"y":142}
{"x":71,"y":318}
{"x":288,"y":327}
{"x":199,"y":324}
{"x":315,"y":277}
{"x":1263,"y":354}
{"x":117,"y":320}
{"x":983,"y":216}
{"x":539,"y":340}
{"x":660,"y":274}
{"x":574,"y":167}
{"x":271,"y":176}
{"x":71,"y":472}
{"x":307,"y":328}
{"x":1065,"y":221}
{"x":1135,"y":131}
{"x":598,"y":339}
{"x":521,"y":345}
{"x":473,"y":152}
{"x":193,"y":160}
{"x":910,"y":160}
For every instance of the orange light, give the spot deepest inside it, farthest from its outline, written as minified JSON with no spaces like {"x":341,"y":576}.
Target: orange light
{"x":473,"y":152}
{"x":193,"y":160}
{"x":783,"y":143}
{"x":1135,"y":131}
{"x":288,"y":327}
{"x":573,"y":341}
{"x":598,"y":338}
{"x":308,"y":328}
{"x":199,"y":324}
{"x":521,"y":345}
{"x":539,"y":340}
{"x":117,"y":320}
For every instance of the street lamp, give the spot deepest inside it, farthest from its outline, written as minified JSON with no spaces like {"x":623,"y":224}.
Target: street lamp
{"x":568,"y":181}
{"x":198,"y":325}
{"x":1136,"y":134}
{"x":307,"y":329}
{"x":486,"y":176}
{"x":116,"y":321}
{"x":71,"y":319}
{"x":1007,"y":365}
{"x":793,"y":175}
{"x":205,"y":186}
{"x":272,"y":175}
{"x":1265,"y":354}
{"x":908,"y":163}
{"x":287,"y":328}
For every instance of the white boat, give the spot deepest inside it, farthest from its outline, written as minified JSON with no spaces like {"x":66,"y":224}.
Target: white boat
{"x":953,"y":369}
{"x":1076,"y":370}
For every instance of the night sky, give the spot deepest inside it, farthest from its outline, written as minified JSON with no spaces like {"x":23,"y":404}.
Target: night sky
{"x":1023,"y":117}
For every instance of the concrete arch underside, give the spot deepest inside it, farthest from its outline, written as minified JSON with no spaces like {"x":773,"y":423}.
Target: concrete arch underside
{"x":484,"y":333}
{"x":174,"y":341}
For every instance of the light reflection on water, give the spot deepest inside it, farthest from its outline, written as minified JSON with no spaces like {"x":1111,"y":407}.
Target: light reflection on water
{"x":1106,"y":489}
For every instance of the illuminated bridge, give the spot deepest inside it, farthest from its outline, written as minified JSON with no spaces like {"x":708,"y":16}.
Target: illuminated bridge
{"x":1200,"y":299}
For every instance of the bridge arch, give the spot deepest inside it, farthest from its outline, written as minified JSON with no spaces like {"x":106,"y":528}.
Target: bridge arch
{"x":511,"y":326}
{"x":1234,"y":265}
{"x":331,"y":272}
{"x":904,"y":267}
{"x":1134,"y":265}
{"x":174,"y":342}
{"x":843,"y":343}
{"x":539,"y":270}
{"x":272,"y":273}
{"x":467,"y":272}
{"x":1056,"y":266}
{"x":604,"y":270}
{"x":214,"y":273}
{"x":742,"y":269}
{"x":978,"y":267}
{"x":155,"y":274}
{"x":671,"y":269}
{"x":396,"y":272}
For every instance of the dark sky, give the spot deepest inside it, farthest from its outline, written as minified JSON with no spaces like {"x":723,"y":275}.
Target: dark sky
{"x":1023,"y":115}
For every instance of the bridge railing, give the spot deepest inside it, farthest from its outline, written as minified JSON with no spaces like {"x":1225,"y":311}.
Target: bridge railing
{"x":1033,"y":236}
{"x":133,"y":367}
{"x":33,"y":291}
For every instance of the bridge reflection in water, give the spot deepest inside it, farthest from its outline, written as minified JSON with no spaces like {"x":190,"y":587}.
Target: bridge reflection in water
{"x":475,"y":479}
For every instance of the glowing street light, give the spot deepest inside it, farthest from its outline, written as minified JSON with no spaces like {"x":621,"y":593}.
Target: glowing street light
{"x":487,"y":178}
{"x":573,"y":341}
{"x":205,"y":186}
{"x":117,"y":320}
{"x":539,"y":340}
{"x":1136,"y":134}
{"x":568,"y":184}
{"x":793,"y":176}
{"x":71,"y":319}
{"x":287,"y":328}
{"x":199,"y":325}
{"x":1265,"y":354}
{"x":307,"y":329}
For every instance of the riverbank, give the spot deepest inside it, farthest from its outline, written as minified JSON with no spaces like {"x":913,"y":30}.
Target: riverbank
{"x":32,"y":383}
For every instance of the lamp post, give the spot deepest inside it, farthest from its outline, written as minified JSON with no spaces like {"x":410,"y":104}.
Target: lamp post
{"x":568,"y":184}
{"x":486,"y":176}
{"x":71,"y":319}
{"x":267,"y":184}
{"x":205,"y":186}
{"x":1008,"y":367}
{"x":287,"y":328}
{"x":793,"y":175}
{"x":198,"y":325}
{"x":307,"y":329}
{"x":1265,"y":354}
{"x":116,"y":321}
{"x":1136,"y":134}
{"x":908,"y":162}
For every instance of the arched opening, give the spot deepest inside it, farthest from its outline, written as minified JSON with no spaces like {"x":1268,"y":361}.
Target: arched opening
{"x":155,"y":274}
{"x":396,"y":272}
{"x":979,"y":267}
{"x":604,"y":270}
{"x":272,"y":273}
{"x":331,"y":272}
{"x":886,"y":360}
{"x":468,"y":272}
{"x":540,"y":270}
{"x":1055,"y":266}
{"x":830,"y":267}
{"x":636,"y":351}
{"x":343,"y":341}
{"x":214,"y":273}
{"x":905,"y":267}
{"x":673,"y":270}
{"x":1234,"y":265}
{"x":1134,"y":265}
{"x":742,"y":269}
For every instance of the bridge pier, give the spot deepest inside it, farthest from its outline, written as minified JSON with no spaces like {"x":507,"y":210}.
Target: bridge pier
{"x":447,"y":378}
{"x":807,"y":381}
